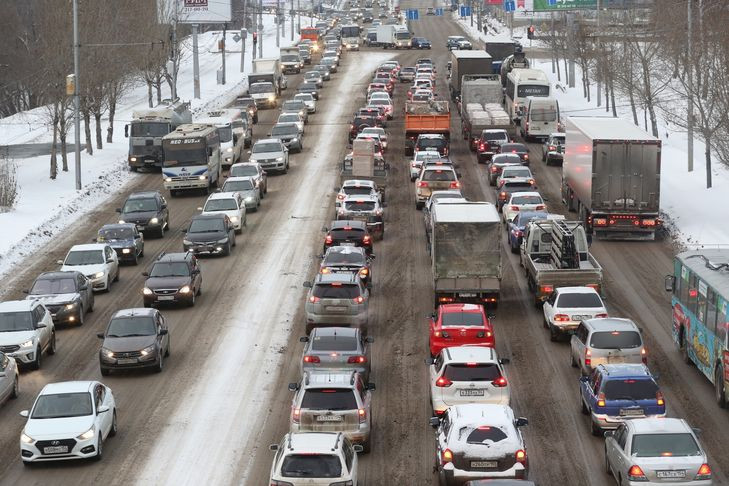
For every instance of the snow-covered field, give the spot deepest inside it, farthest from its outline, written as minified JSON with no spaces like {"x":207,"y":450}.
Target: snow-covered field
{"x":44,"y":206}
{"x":692,"y":211}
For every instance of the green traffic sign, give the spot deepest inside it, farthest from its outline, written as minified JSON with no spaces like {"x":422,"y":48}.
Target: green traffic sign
{"x":544,"y":5}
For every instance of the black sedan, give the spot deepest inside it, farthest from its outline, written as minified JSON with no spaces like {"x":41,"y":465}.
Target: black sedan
{"x":516,"y":148}
{"x":309,"y":87}
{"x":134,"y":338}
{"x":68,"y":296}
{"x":420,"y":43}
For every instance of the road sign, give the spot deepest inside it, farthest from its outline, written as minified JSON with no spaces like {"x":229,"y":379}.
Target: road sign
{"x":465,"y":11}
{"x":509,"y":5}
{"x":552,"y":3}
{"x":439,"y":11}
{"x":244,"y":33}
{"x":412,"y":14}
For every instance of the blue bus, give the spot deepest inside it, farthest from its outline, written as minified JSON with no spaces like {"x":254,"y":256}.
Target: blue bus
{"x":700,"y":294}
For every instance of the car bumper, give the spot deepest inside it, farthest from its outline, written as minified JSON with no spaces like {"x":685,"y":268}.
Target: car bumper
{"x":355,"y":436}
{"x":125,"y":257}
{"x":145,"y":162}
{"x":456,"y":476}
{"x":174,"y":185}
{"x":252,"y":204}
{"x":99,"y":283}
{"x":23,"y":355}
{"x":215,"y":249}
{"x":176,"y":298}
{"x":610,"y":422}
{"x":67,"y":316}
{"x":77,"y":449}
{"x":273,"y":165}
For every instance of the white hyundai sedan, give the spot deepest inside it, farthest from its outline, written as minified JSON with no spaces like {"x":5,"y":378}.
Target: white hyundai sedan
{"x":69,"y":420}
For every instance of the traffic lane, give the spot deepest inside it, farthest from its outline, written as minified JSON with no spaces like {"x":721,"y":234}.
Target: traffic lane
{"x":77,"y":356}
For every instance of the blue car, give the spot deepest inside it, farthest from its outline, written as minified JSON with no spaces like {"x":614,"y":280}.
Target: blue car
{"x":515,"y":228}
{"x":613,"y":393}
{"x":125,"y":239}
{"x":420,"y":43}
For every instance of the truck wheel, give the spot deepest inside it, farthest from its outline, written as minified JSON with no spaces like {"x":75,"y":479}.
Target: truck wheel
{"x":719,"y":387}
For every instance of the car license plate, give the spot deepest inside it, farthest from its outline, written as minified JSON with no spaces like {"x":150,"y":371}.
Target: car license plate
{"x":484,"y":464}
{"x":166,"y":297}
{"x":466,"y":295}
{"x":329,"y":418}
{"x":55,"y":450}
{"x":123,"y":361}
{"x":616,"y":359}
{"x":580,"y":317}
{"x":472,"y":393}
{"x":671,"y":474}
{"x":631,"y":412}
{"x":347,"y":243}
{"x":336,"y":308}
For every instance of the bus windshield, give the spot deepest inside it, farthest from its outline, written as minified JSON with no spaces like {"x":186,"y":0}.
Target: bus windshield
{"x":191,"y":152}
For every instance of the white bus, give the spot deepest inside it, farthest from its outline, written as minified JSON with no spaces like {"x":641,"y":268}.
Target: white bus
{"x":351,"y":36}
{"x":231,"y":127}
{"x":541,"y":118}
{"x":192,"y":158}
{"x":521,"y":83}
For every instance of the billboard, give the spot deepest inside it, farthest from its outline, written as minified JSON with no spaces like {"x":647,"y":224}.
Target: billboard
{"x":203,"y":11}
{"x":547,"y":6}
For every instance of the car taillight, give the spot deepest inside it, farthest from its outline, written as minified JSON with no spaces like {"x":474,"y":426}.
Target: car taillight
{"x":499,"y":382}
{"x":422,"y":184}
{"x":635,"y":473}
{"x":455,"y":185}
{"x":704,"y":472}
{"x":588,"y":358}
{"x":358,"y":300}
{"x":481,"y":146}
{"x":502,"y":196}
{"x":442,"y":334}
{"x":515,"y":208}
{"x":561,"y":317}
{"x":357,"y":359}
{"x":600,"y":316}
{"x":521,"y":456}
{"x":366,"y":239}
{"x":525,"y":157}
{"x":648,"y":222}
{"x":325,"y":270}
{"x":552,"y":147}
{"x":443,"y":300}
{"x":644,"y":356}
{"x":311,"y":359}
{"x":546,"y":289}
{"x":328,"y":240}
{"x":517,"y":232}
{"x":364,"y":272}
{"x":540,"y":206}
{"x":601,"y":400}
{"x":447,"y":456}
{"x":314,"y":299}
{"x":296,"y":415}
{"x":599,"y":222}
{"x":443,"y":382}
{"x":660,"y":401}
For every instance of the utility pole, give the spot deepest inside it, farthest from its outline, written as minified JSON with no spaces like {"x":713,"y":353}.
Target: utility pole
{"x":174,"y":54}
{"x":478,"y":19}
{"x":260,"y":28}
{"x":293,"y":14}
{"x":195,"y":64}
{"x":470,"y":10}
{"x":551,"y":14}
{"x":222,"y":51}
{"x":278,"y":21}
{"x":690,"y":69}
{"x":298,"y":22}
{"x":599,"y":69}
{"x":76,"y":101}
{"x":243,"y":35}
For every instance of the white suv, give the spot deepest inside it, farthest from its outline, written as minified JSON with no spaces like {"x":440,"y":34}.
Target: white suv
{"x":26,"y":331}
{"x":314,"y":459}
{"x":467,"y":374}
{"x":98,"y":261}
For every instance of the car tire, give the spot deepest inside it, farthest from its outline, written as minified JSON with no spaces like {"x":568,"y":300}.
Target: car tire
{"x":167,"y":351}
{"x":684,"y":348}
{"x":116,"y":277}
{"x":367,"y":445}
{"x":104,"y":371}
{"x":81,"y":314}
{"x":553,"y":334}
{"x":52,"y":344}
{"x":583,"y":407}
{"x":720,"y":393}
{"x":136,"y":259}
{"x":36,"y":364}
{"x":161,"y":232}
{"x":596,"y":431}
{"x":191,"y":303}
{"x":199,"y":291}
{"x":114,"y":428}
{"x":573,"y":363}
{"x":226,"y":252}
{"x":160,"y":364}
{"x":545,"y":323}
{"x":16,"y":388}
{"x":27,"y":463}
{"x":99,"y":450}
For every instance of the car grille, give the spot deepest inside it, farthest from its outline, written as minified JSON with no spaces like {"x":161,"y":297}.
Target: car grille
{"x":464,"y":463}
{"x":41,"y":444}
{"x":130,"y":354}
{"x":54,"y":308}
{"x":266,"y":161}
{"x":9,"y":349}
{"x":165,"y":291}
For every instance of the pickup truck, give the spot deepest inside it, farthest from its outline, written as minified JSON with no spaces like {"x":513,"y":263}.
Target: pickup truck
{"x":364,"y":164}
{"x":555,"y":253}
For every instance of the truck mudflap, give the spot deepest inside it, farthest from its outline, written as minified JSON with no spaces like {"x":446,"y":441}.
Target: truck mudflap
{"x":489,"y":299}
{"x":467,"y":290}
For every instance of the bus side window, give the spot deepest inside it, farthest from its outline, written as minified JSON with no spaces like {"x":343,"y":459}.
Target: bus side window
{"x":722,"y":322}
{"x":701,"y":303}
{"x":693,"y":293}
{"x":711,"y":311}
{"x":684,"y":285}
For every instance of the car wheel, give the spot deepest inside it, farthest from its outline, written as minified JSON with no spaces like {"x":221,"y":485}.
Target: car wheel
{"x":27,"y":463}
{"x":719,"y":387}
{"x":167,"y":351}
{"x":684,"y":348}
{"x":80,"y":321}
{"x":116,"y":277}
{"x":545,"y":323}
{"x":52,"y":344}
{"x":583,"y":407}
{"x":105,"y":371}
{"x":191,"y":303}
{"x":161,"y":232}
{"x":99,"y":450}
{"x":160,"y":363}
{"x":16,"y":388}
{"x":573,"y":363}
{"x":36,"y":364}
{"x":91,"y":303}
{"x":226,"y":251}
{"x":136,"y":259}
{"x":367,"y":445}
{"x":199,"y":291}
{"x":596,"y":431}
{"x":114,"y":427}
{"x":553,"y":334}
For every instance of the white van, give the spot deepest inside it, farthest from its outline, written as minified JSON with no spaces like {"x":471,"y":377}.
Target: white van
{"x":542,"y":118}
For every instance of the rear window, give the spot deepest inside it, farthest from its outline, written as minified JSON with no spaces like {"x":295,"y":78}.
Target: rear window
{"x":526,"y":200}
{"x":513,"y":147}
{"x":485,"y":433}
{"x":514,"y":186}
{"x":507,"y":159}
{"x":357,"y":191}
{"x":439,"y":175}
{"x":311,"y":466}
{"x":344,"y":291}
{"x":457,"y":319}
{"x":334,"y":343}
{"x":579,"y":300}
{"x":360,"y":205}
{"x":243,"y":170}
{"x":346,"y":257}
{"x":516,"y":173}
{"x":478,"y":372}
{"x":615,"y":340}
{"x":495,"y":136}
{"x":350,"y":234}
{"x":329,"y":399}
{"x":630,"y":389}
{"x":664,"y":445}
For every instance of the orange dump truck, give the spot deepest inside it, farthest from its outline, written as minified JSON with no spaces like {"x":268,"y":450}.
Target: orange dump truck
{"x":313,"y":34}
{"x":425,"y":117}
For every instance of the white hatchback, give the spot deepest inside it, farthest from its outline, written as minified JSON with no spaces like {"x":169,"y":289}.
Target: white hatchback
{"x":229,"y":203}
{"x":567,"y":306}
{"x":98,"y":261}
{"x":522,"y":201}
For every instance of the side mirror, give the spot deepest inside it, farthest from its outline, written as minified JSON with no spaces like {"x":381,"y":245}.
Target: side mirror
{"x":109,"y":260}
{"x":372,"y":256}
{"x":126,"y":131}
{"x":307,"y":284}
{"x":369,"y":339}
{"x":434,"y":422}
{"x":521,"y":422}
{"x":491,"y":317}
{"x":26,"y":291}
{"x":102,"y":409}
{"x":293,"y":386}
{"x":164,"y":206}
{"x":60,"y":262}
{"x":118,"y":210}
{"x":145,"y":274}
{"x":608,"y":433}
{"x":304,"y":339}
{"x":273,"y":447}
{"x":429,"y":361}
{"x":100,"y":335}
{"x":669,"y":283}
{"x":163,"y":332}
{"x":357,"y":448}
{"x":504,"y":361}
{"x":370,"y":387}
{"x":24,"y":413}
{"x":40,"y":326}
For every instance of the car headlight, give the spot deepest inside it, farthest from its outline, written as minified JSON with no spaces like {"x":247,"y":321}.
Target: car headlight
{"x":107,"y":352}
{"x":202,"y":177}
{"x":185,"y":289}
{"x":248,"y":199}
{"x":186,"y":242}
{"x":234,"y":219}
{"x":272,"y":98}
{"x":224,"y":240}
{"x":229,"y":149}
{"x":294,"y":140}
{"x":70,"y":306}
{"x":121,"y":221}
{"x":147,"y":291}
{"x":26,"y":439}
{"x":89,"y":434}
{"x":133,"y":159}
{"x":126,"y":251}
{"x":154,"y":220}
{"x":27,"y":344}
{"x":168,"y":179}
{"x":279,"y":159}
{"x":149,"y":349}
{"x":98,"y":275}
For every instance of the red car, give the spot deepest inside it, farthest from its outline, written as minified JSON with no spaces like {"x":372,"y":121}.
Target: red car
{"x":458,"y":325}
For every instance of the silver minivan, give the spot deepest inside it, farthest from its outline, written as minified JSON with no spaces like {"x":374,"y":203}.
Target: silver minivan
{"x":606,"y":340}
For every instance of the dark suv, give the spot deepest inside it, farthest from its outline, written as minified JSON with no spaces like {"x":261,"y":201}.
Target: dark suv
{"x":174,"y":278}
{"x":349,"y":233}
{"x":361,"y":122}
{"x":68,"y":296}
{"x":148,"y":210}
{"x":248,"y":103}
{"x":431,"y":141}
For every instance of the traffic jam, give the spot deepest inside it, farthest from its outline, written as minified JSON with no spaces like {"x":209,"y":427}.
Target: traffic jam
{"x":499,"y":109}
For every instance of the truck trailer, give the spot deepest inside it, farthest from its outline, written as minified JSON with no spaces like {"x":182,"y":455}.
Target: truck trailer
{"x":465,"y":63}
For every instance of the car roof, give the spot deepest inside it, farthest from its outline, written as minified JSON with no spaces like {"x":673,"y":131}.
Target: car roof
{"x":358,"y":183}
{"x":242,"y":164}
{"x":470,"y":354}
{"x":334,"y":332}
{"x":575,"y":290}
{"x":328,"y":278}
{"x":611,"y":324}
{"x":431,"y":135}
{"x":626,"y":370}
{"x":663,"y":425}
{"x":88,"y":246}
{"x":239,"y":179}
{"x":67,"y":387}
{"x":525,"y":193}
{"x":312,"y":442}
{"x":221,"y":195}
{"x":318,"y":379}
{"x":268,"y":140}
{"x":16,"y":305}
{"x":142,"y":194}
{"x":482,"y":413}
{"x":341,"y":223}
{"x":118,"y":226}
{"x":345,"y":250}
{"x":135,"y":311}
{"x":58,"y":274}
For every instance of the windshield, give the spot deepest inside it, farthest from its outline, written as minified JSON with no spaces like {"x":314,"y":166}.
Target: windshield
{"x":643,"y":389}
{"x":139,"y":205}
{"x":131,"y":326}
{"x":514,"y":147}
{"x":615,"y":340}
{"x":307,"y":87}
{"x":65,"y":285}
{"x":170,"y":269}
{"x":262,"y":148}
{"x":176,"y":156}
{"x":293,"y":105}
{"x":61,"y":405}
{"x":334,"y":343}
{"x":350,"y":31}
{"x":85,"y":257}
{"x":206,"y":225}
{"x":303,"y":97}
{"x":664,"y":445}
{"x":425,"y":143}
{"x":257,"y":88}
{"x":290,"y":58}
{"x":526,"y":200}
{"x":342,"y":291}
{"x":402,"y":35}
{"x":311,"y":466}
{"x":288,"y":118}
{"x":548,"y":114}
{"x":515,"y":186}
{"x":243,"y":170}
{"x":472,"y":372}
{"x":439,"y":175}
{"x":374,"y":131}
{"x":329,"y":399}
{"x":496,"y":136}
{"x":359,"y":205}
{"x":351,"y":190}
{"x":579,"y":300}
{"x":458,"y":319}
{"x":16,"y":321}
{"x":344,"y":257}
{"x":226,"y":204}
{"x":150,"y":129}
{"x":115,"y":234}
{"x":285,"y":130}
{"x":233,"y":186}
{"x":485,"y":435}
{"x":243,"y":102}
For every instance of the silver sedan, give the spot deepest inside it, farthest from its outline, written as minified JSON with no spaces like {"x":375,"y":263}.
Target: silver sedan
{"x":8,"y":377}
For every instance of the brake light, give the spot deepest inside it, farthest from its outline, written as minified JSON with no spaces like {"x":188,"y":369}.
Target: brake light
{"x":447,"y":456}
{"x":455,"y":185}
{"x":446,"y":299}
{"x":364,"y":272}
{"x":660,"y":401}
{"x":358,"y":300}
{"x":328,"y":240}
{"x":311,"y":359}
{"x":521,"y":456}
{"x":514,"y":208}
{"x":517,"y":232}
{"x":362,"y":415}
{"x":552,"y":147}
{"x":588,"y":358}
{"x":531,"y":182}
{"x":635,"y":473}
{"x":525,"y":156}
{"x":596,"y":287}
{"x":314,"y":299}
{"x":704,"y":472}
{"x":599,"y":222}
{"x":499,"y":382}
{"x":357,"y":359}
{"x":443,"y":382}
{"x":422,"y":184}
{"x":601,"y":400}
{"x":600,"y":316}
{"x":561,"y":317}
{"x":502,"y":196}
{"x":540,"y":206}
{"x":481,"y":146}
{"x":648,"y":222}
{"x":644,"y":356}
{"x":366,"y":239}
{"x":296,"y":415}
{"x":546,"y":289}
